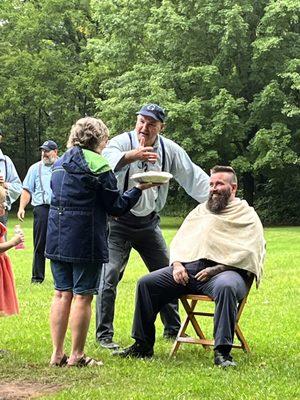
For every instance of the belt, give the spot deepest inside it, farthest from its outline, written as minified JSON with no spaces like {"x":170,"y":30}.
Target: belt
{"x":133,"y":221}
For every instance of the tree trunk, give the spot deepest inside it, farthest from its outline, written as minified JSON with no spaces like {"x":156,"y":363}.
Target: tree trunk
{"x":25,"y":135}
{"x":249,"y":187}
{"x":40,"y":128}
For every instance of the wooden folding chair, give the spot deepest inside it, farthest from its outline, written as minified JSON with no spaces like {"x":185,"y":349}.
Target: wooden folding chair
{"x":189,"y":303}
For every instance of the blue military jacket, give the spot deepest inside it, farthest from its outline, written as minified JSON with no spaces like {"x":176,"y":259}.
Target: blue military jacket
{"x":81,"y":201}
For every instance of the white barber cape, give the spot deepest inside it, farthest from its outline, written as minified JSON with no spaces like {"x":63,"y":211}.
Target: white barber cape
{"x":233,"y":237}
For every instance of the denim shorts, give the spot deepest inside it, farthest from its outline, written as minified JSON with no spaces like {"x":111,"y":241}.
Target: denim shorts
{"x":80,"y":278}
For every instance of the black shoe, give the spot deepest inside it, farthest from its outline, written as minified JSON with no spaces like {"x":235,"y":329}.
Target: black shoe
{"x":137,"y":350}
{"x":36,"y":281}
{"x":224,"y":360}
{"x":108,"y":344}
{"x":170,"y":335}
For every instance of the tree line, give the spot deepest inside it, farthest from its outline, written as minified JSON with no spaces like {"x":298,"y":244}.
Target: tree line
{"x":227,"y":72}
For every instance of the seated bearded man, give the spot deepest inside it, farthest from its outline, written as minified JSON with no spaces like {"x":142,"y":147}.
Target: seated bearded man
{"x":217,"y":251}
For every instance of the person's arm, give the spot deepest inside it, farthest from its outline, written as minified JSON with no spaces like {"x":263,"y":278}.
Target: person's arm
{"x":14,"y":241}
{"x":209,"y":272}
{"x":12,"y":183}
{"x":189,"y":175}
{"x":115,"y":203}
{"x":24,"y":200}
{"x":180,"y":274}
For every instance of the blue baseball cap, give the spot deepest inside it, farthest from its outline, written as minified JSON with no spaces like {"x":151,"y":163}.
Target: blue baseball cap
{"x":153,"y":111}
{"x":49,"y":145}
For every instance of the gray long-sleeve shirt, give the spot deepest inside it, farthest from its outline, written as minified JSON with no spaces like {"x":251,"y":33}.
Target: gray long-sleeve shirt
{"x":190,"y":176}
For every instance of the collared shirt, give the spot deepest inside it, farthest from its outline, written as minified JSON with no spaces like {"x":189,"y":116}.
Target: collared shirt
{"x":40,"y":193}
{"x":11,"y":177}
{"x":190,"y":176}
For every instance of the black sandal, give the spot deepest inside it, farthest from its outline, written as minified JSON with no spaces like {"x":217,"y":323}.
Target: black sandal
{"x":85,"y":361}
{"x":63,"y":362}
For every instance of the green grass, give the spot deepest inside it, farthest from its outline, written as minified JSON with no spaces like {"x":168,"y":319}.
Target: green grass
{"x":270,"y":323}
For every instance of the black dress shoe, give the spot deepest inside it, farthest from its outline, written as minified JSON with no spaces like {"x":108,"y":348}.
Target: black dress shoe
{"x":108,"y":344}
{"x":224,"y":360}
{"x":170,"y":335}
{"x":137,"y":350}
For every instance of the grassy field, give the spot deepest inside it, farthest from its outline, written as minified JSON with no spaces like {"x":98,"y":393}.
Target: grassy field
{"x":270,"y":323}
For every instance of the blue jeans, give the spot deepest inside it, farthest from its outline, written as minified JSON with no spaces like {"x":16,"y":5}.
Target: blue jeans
{"x":80,"y":278}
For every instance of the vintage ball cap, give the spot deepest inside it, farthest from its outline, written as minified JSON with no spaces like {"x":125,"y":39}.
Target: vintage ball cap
{"x":49,"y":145}
{"x":154,"y":111}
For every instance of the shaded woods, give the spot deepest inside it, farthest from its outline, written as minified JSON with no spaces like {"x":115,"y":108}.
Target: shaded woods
{"x":228,"y":73}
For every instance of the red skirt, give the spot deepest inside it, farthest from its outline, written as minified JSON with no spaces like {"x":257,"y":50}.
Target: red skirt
{"x":8,"y":297}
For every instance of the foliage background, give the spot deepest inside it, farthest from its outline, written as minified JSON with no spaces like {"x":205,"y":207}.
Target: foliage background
{"x":227,"y":72}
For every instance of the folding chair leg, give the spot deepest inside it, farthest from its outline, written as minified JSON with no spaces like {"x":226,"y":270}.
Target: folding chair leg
{"x":242,"y":339}
{"x":189,"y":308}
{"x":181,"y":333}
{"x":237,"y":329}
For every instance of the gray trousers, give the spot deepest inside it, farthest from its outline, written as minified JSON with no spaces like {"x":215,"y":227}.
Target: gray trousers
{"x":156,"y":289}
{"x":146,"y":238}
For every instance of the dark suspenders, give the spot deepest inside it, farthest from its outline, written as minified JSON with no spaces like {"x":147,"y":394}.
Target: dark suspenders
{"x":127,"y":173}
{"x":40,"y":177}
{"x":163,"y":161}
{"x":163,"y":152}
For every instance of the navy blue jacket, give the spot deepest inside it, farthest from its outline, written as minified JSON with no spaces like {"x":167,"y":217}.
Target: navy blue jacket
{"x":81,"y":200}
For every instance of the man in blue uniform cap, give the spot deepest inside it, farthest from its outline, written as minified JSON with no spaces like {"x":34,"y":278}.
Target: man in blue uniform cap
{"x":143,"y":149}
{"x":36,"y":187}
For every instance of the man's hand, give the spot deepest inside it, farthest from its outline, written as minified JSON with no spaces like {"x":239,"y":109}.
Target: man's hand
{"x":144,"y":186}
{"x":21,"y":214}
{"x":142,"y":153}
{"x":4,"y":184}
{"x":179,"y":273}
{"x":209,"y":272}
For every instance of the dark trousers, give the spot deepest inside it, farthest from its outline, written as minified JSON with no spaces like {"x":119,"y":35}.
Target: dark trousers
{"x":158,"y":288}
{"x":40,"y":220}
{"x":148,"y":241}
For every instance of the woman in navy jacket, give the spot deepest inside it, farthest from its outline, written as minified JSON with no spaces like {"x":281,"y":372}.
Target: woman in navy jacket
{"x":84,"y":192}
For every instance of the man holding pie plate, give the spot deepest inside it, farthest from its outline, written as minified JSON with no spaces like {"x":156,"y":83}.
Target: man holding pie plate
{"x":144,"y":155}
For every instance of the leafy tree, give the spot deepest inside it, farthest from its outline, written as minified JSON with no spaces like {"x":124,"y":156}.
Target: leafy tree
{"x":41,"y":59}
{"x":227,"y":72}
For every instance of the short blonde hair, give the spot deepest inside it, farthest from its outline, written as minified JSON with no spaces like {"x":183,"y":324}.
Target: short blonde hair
{"x":88,"y":132}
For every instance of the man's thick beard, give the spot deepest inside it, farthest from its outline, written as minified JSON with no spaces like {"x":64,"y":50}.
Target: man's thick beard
{"x":217,"y":204}
{"x":49,"y":161}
